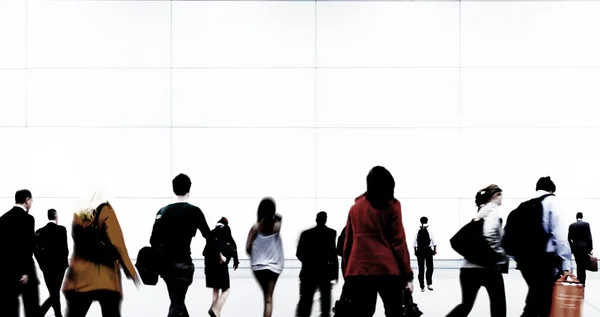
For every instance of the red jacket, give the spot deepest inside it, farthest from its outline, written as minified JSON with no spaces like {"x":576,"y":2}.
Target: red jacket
{"x":367,"y":251}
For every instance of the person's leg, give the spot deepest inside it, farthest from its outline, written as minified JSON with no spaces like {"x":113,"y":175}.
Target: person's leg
{"x":429,"y":263}
{"x":546,"y":293}
{"x":362,"y":291}
{"x":325,"y":291}
{"x":391,"y":290}
{"x":9,"y":299}
{"x":215,"y":297}
{"x":54,"y":291}
{"x":110,"y":303}
{"x":78,"y":304}
{"x":48,"y":279}
{"x":582,"y":261}
{"x":31,"y":299}
{"x":470,"y":283}
{"x":179,"y":277}
{"x":421,"y":263}
{"x":494,"y":283}
{"x":221,"y":302}
{"x":308,"y":288}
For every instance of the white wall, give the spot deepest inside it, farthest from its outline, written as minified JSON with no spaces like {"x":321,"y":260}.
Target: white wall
{"x":298,"y":100}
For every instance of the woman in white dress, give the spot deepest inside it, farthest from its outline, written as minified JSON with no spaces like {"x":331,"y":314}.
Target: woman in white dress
{"x":266,"y":251}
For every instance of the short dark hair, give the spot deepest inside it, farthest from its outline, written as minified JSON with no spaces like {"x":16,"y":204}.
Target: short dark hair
{"x":52,"y":214}
{"x":223,"y":221}
{"x":21,"y":196}
{"x":321,"y":218}
{"x":181,"y":184}
{"x":545,"y":183}
{"x":424,"y":220}
{"x":579,"y":215}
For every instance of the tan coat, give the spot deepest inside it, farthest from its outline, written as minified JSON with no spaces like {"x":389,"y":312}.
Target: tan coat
{"x":84,"y":275}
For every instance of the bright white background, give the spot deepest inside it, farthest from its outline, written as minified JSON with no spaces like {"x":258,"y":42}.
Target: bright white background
{"x":298,"y":100}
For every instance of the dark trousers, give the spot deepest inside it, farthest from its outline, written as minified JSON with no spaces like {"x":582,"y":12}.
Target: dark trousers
{"x":78,"y":303}
{"x":471,"y":280}
{"x":363,"y":290}
{"x":425,"y":259}
{"x":178,"y":277}
{"x":308,"y":287}
{"x":9,"y":298}
{"x":53,"y":279}
{"x":583,"y":261}
{"x":540,"y":280}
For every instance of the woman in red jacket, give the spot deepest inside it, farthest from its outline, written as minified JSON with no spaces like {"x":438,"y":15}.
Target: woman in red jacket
{"x":375,"y":252}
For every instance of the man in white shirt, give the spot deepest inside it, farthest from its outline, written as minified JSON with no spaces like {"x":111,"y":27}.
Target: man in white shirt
{"x":425,"y":249}
{"x":540,"y":277}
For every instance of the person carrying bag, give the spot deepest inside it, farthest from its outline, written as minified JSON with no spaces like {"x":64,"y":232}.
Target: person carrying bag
{"x":567,"y":298}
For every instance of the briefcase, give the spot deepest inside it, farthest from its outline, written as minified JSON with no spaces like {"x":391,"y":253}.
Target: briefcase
{"x":593,"y":264}
{"x":567,"y":299}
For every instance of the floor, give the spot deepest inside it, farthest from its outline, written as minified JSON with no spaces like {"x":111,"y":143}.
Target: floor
{"x":245,"y":299}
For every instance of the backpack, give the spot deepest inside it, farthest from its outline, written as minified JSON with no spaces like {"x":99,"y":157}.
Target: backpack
{"x":92,"y":242}
{"x":423,"y":239}
{"x":525,"y":237}
{"x":471,"y":244}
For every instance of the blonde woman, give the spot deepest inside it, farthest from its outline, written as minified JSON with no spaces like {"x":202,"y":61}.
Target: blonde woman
{"x":89,"y":279}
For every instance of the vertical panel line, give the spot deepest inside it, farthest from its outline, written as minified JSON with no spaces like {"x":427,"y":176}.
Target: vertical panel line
{"x":315,"y":115}
{"x":171,"y":88}
{"x":460,"y":114}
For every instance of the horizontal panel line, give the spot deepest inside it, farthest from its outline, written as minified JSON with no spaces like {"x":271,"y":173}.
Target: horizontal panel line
{"x":298,"y":198}
{"x":293,"y":67}
{"x":569,"y":1}
{"x":307,"y":127}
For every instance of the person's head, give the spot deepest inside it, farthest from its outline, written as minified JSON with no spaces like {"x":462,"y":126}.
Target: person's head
{"x":579,"y":216}
{"x":321,"y":218}
{"x":23,"y":197}
{"x":424,"y":220}
{"x":380,"y":187}
{"x":89,"y":202}
{"x":490,"y":194}
{"x":546,"y":184}
{"x":266,"y":209}
{"x":223,"y":221}
{"x":181,"y":185}
{"x":52,"y":215}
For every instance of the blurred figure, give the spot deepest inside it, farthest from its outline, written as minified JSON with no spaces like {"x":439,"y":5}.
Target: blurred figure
{"x":17,"y":271}
{"x":52,"y":254}
{"x":376,"y":253}
{"x":89,"y":280}
{"x":425,"y":249}
{"x":582,"y":245}
{"x":266,"y":251}
{"x":473,"y":276}
{"x":216,"y":261}
{"x":174,"y":228}
{"x":316,"y":251}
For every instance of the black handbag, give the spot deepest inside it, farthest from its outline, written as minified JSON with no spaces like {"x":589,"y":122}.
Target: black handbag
{"x":92,"y":242}
{"x":148,"y":265}
{"x":470,"y":243}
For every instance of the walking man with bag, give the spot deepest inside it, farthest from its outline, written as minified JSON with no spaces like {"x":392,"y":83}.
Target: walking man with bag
{"x":425,"y":249}
{"x":580,"y":240}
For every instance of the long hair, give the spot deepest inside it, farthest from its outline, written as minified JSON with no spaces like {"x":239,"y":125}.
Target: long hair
{"x":380,"y":187}
{"x":89,"y":202}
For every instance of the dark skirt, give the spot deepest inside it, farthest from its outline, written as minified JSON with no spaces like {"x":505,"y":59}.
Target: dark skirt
{"x":217,"y":276}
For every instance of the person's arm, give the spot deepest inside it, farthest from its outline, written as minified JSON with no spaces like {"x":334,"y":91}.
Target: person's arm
{"x":65,"y":245}
{"x":433,"y":243}
{"x":398,"y":242}
{"x":230,"y":240}
{"x":251,"y":237}
{"x":590,"y":240}
{"x":301,"y":249}
{"x":559,"y":233}
{"x":492,"y":231}
{"x":333,"y":256}
{"x":202,"y":225}
{"x":415,"y":242}
{"x":340,"y":243}
{"x":115,"y":235}
{"x":25,"y":259}
{"x":156,"y":237}
{"x":347,"y":243}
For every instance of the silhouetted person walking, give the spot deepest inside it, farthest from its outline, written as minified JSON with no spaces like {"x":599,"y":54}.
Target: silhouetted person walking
{"x":582,"y":246}
{"x":425,"y":249}
{"x":174,"y":228}
{"x":17,"y":270}
{"x":317,"y":252}
{"x":52,"y":252}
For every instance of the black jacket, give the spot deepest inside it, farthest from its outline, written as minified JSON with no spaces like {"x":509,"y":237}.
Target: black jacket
{"x":222,"y":240}
{"x":17,"y":236}
{"x":317,"y":252}
{"x":580,"y":237}
{"x":52,"y":249}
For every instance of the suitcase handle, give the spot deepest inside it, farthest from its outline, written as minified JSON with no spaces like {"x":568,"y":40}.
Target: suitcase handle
{"x":565,"y":279}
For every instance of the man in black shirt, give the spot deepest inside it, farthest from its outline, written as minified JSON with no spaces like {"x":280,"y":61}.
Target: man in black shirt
{"x":172,"y":234}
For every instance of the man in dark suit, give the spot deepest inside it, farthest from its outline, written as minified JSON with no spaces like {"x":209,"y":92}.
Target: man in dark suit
{"x":317,"y":252}
{"x":52,"y":252}
{"x":17,"y":270}
{"x":580,"y":239}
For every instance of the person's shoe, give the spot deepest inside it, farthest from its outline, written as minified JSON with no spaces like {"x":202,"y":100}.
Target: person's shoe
{"x":429,"y":287}
{"x":422,"y":289}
